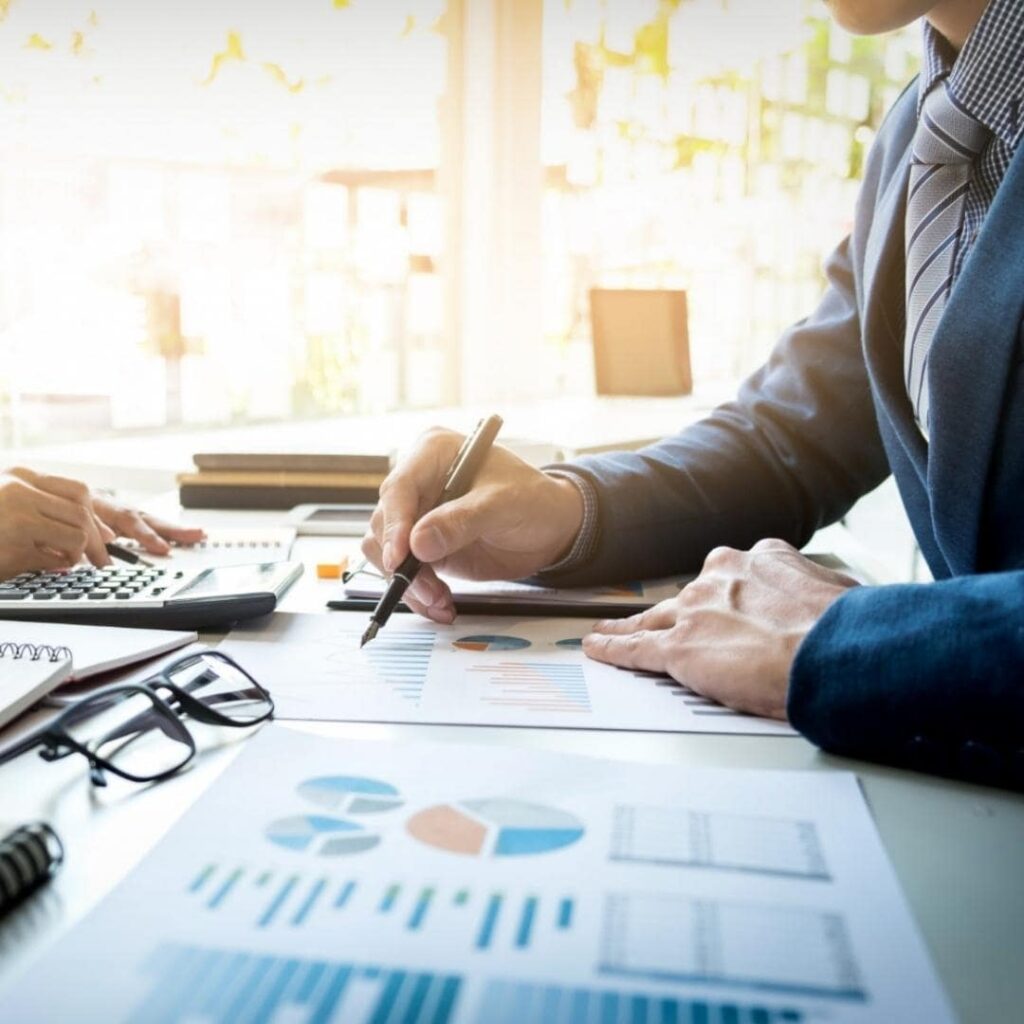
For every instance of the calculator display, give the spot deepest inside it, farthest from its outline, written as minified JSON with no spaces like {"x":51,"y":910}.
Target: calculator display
{"x":233,"y":579}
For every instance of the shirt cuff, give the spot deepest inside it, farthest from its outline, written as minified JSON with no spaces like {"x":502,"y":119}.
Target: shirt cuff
{"x":586,"y":540}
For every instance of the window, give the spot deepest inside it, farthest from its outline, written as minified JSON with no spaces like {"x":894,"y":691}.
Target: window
{"x":236,"y":212}
{"x":214,"y":213}
{"x":703,"y":144}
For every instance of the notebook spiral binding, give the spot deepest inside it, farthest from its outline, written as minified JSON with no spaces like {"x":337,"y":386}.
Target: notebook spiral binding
{"x":28,"y":857}
{"x":33,"y":652}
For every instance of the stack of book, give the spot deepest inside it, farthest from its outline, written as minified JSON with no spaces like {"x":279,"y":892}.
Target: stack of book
{"x":281,"y":480}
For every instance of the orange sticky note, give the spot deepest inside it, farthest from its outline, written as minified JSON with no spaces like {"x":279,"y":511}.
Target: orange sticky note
{"x":331,"y":570}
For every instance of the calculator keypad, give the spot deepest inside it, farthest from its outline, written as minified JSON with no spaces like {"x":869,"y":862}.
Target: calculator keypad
{"x":90,"y":584}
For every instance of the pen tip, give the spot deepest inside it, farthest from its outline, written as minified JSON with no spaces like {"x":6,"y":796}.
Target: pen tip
{"x":371,"y":632}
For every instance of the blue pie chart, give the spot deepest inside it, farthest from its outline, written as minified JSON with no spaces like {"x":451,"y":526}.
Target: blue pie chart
{"x":490,"y":642}
{"x":351,"y":794}
{"x":321,"y":835}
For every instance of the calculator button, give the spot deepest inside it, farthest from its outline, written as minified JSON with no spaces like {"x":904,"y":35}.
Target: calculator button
{"x":98,"y":595}
{"x":71,"y":595}
{"x":14,"y":595}
{"x":123,"y":595}
{"x":44,"y":595}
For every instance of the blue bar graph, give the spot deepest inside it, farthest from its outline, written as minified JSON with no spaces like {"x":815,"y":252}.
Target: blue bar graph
{"x":565,"y":908}
{"x":526,"y":922}
{"x":420,"y":910}
{"x":344,"y":894}
{"x":486,"y":934}
{"x":277,"y":902}
{"x":225,"y":887}
{"x":200,"y":880}
{"x":236,"y":987}
{"x":511,"y":1002}
{"x":309,"y":902}
{"x":390,"y":898}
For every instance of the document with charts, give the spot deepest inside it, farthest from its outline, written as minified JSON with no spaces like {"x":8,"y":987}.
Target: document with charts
{"x":357,"y":882}
{"x":483,"y":670}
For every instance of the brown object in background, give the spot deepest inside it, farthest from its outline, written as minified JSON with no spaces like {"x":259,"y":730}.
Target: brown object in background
{"x":641,"y":341}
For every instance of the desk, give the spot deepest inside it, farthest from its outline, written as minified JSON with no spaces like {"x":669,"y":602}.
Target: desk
{"x":956,"y":848}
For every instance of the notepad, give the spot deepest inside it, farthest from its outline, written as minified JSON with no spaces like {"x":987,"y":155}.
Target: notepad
{"x":95,"y":649}
{"x":28,"y":672}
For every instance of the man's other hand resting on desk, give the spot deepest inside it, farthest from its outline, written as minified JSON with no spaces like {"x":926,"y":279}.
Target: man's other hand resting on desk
{"x":50,"y":522}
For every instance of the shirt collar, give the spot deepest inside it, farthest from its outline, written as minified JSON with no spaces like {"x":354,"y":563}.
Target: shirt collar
{"x":987,"y":76}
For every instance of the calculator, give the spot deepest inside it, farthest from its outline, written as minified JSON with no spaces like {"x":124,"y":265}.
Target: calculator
{"x":148,"y":596}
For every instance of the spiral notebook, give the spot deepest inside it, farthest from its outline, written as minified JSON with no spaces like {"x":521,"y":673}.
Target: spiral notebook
{"x":29,"y":855}
{"x":28,"y":672}
{"x":37,"y":657}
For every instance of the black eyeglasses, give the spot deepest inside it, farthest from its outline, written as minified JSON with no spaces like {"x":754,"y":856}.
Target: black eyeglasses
{"x":135,"y":730}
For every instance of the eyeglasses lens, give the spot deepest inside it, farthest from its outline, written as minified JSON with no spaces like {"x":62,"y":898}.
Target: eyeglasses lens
{"x":131,"y":735}
{"x":223,"y":688}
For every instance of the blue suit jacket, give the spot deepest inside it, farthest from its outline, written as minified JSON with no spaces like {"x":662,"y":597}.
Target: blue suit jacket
{"x":930,"y":676}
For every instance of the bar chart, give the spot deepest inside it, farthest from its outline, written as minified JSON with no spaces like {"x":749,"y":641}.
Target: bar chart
{"x":513,"y":1002}
{"x":398,"y":659}
{"x":467,"y":920}
{"x":534,"y":685}
{"x":232,"y":986}
{"x":695,"y":703}
{"x":686,"y":837}
{"x":223,"y":986}
{"x":680,"y":939}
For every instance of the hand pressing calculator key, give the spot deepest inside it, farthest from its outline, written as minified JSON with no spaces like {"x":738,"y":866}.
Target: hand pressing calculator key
{"x":148,"y":597}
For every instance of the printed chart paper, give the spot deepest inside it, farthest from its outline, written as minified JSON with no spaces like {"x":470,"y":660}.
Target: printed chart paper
{"x":483,"y":670}
{"x":357,"y":882}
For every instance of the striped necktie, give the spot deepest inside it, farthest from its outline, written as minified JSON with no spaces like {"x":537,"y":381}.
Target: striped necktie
{"x":945,"y":144}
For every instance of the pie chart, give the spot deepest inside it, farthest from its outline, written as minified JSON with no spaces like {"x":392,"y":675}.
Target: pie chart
{"x":495,"y":828}
{"x":327,"y":837}
{"x":490,"y":642}
{"x":350,"y":794}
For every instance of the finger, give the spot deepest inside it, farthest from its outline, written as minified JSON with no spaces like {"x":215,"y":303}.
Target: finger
{"x":411,"y":488}
{"x":95,"y":546}
{"x":398,"y":507}
{"x":427,"y":594}
{"x":69,"y":541}
{"x":130,"y":524}
{"x":174,"y":532}
{"x":370,"y":548}
{"x":45,"y":559}
{"x":644,"y":651}
{"x":660,"y":616}
{"x":451,"y":527}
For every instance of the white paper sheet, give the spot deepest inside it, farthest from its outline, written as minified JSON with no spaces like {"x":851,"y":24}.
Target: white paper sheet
{"x":323,"y":880}
{"x":483,"y":670}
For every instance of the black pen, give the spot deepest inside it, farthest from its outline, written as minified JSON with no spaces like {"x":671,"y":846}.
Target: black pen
{"x":116,"y":551}
{"x":460,"y":478}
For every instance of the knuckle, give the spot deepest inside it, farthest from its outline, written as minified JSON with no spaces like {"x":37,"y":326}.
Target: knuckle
{"x":720,"y":557}
{"x":771,"y":544}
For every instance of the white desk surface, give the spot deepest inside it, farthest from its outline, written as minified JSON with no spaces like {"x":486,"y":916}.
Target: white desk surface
{"x":956,"y":848}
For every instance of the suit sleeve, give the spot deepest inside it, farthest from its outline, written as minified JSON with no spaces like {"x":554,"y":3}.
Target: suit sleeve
{"x":926,"y":676}
{"x":791,"y":454}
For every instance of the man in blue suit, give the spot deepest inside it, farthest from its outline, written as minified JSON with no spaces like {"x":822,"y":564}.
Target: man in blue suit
{"x":913,"y":364}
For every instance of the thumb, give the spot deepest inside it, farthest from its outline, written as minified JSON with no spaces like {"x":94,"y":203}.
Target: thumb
{"x":451,"y":527}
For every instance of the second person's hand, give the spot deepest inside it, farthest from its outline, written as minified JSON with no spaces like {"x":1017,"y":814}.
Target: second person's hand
{"x":514,"y":521}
